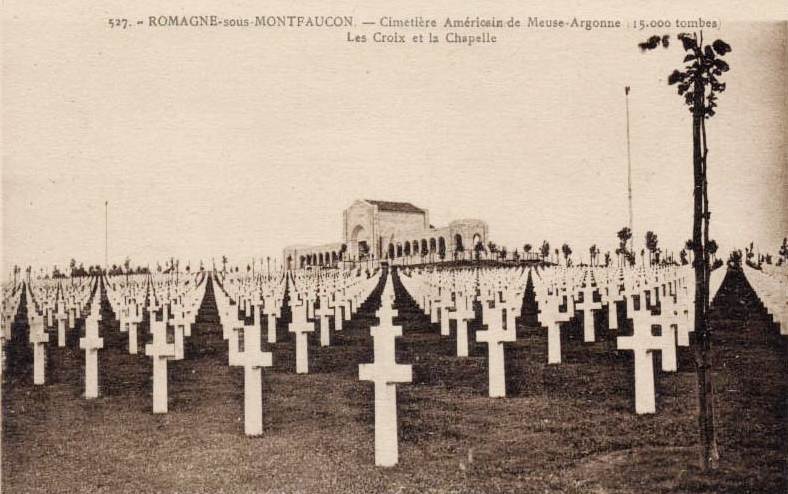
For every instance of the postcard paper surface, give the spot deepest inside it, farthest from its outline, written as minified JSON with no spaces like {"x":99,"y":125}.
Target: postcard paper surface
{"x":412,"y":247}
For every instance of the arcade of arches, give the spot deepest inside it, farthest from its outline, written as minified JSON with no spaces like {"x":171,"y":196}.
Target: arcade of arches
{"x":390,"y":231}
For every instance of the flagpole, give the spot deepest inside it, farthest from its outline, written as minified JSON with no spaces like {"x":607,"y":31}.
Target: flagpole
{"x":106,"y":233}
{"x":629,"y":174}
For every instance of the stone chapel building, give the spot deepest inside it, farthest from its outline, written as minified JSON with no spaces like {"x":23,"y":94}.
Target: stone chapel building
{"x":387,"y":231}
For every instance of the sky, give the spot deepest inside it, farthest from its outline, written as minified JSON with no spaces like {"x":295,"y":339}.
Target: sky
{"x":238,"y":143}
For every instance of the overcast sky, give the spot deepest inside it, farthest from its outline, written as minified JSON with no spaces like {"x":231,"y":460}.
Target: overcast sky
{"x":242,"y":142}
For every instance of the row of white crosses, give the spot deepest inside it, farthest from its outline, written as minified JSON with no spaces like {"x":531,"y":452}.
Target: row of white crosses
{"x":60,"y":303}
{"x":303,"y":299}
{"x":560,"y":287}
{"x":234,"y":293}
{"x":573,"y":291}
{"x":385,"y":372}
{"x":443,"y":299}
{"x":338,"y":296}
{"x":675,"y":322}
{"x":672,"y":286}
{"x":182,"y":300}
{"x":12,"y":299}
{"x":355,"y":290}
{"x":251,"y":355}
{"x":127,"y":298}
{"x":70,"y":291}
{"x":245,"y":347}
{"x":771,"y":286}
{"x":449,"y":294}
{"x":251,"y":294}
{"x":508,"y":290}
{"x":583,"y":290}
{"x":90,"y":343}
{"x":43,"y":303}
{"x":244,"y":340}
{"x":186,"y":302}
{"x":250,"y":299}
{"x":38,"y":337}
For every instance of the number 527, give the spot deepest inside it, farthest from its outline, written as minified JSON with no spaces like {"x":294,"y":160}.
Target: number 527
{"x":118,"y":23}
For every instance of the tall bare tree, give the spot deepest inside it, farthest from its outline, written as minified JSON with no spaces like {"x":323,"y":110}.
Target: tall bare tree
{"x":698,"y":82}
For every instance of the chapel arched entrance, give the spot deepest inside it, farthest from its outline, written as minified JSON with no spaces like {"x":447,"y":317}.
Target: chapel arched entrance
{"x":360,"y":242}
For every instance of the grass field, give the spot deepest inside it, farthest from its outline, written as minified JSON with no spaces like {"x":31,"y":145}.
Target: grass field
{"x":564,"y":428}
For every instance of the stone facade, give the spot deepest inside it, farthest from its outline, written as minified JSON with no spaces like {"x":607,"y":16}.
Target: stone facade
{"x":387,"y":231}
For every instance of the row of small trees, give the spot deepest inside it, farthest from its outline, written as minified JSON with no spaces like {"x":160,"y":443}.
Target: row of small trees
{"x":78,"y":269}
{"x":623,"y":251}
{"x":490,"y":251}
{"x":756,"y":259}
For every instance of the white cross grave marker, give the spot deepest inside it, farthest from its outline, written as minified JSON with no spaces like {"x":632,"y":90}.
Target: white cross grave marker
{"x":160,"y":351}
{"x":462,"y":315}
{"x":252,"y":359}
{"x":588,"y":308}
{"x":38,"y":337}
{"x":495,"y":336}
{"x":300,"y":326}
{"x":324,"y":312}
{"x":385,"y":372}
{"x":91,"y":343}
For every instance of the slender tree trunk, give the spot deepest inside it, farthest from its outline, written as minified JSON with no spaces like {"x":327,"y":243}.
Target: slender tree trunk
{"x":710,"y":455}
